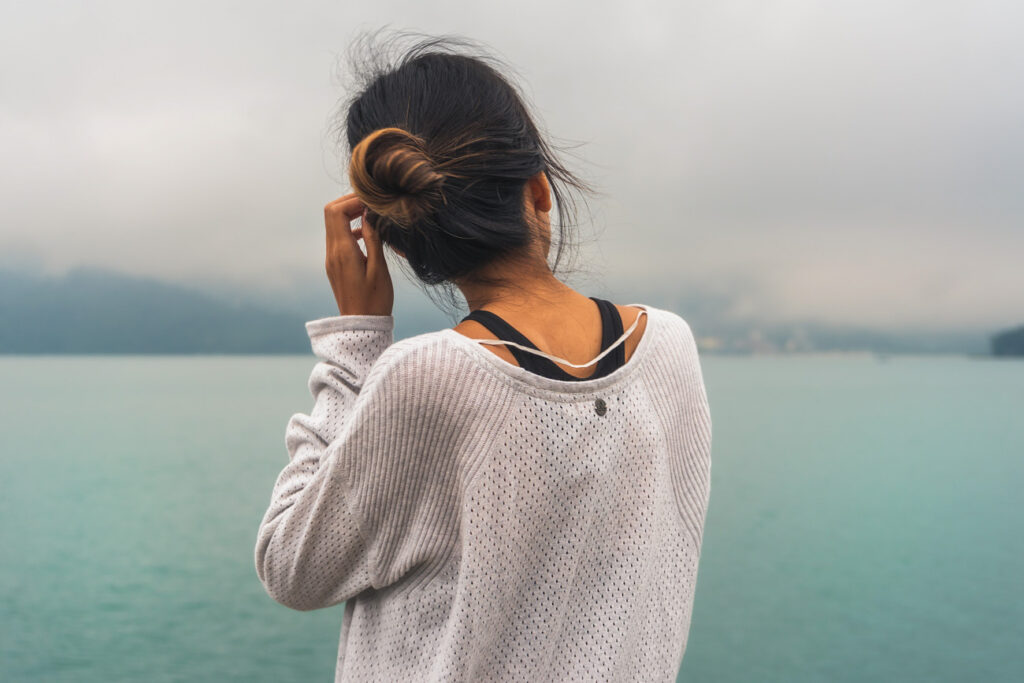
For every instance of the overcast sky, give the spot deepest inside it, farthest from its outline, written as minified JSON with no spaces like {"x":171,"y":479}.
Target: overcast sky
{"x":850,"y":161}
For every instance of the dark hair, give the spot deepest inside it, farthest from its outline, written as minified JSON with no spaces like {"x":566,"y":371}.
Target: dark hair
{"x":441,"y":146}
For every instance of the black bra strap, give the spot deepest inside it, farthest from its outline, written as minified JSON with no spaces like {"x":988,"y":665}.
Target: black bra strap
{"x":611,"y":329}
{"x":611,"y":324}
{"x":502,"y":330}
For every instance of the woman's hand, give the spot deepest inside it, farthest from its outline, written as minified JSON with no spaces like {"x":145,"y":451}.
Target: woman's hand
{"x":361,"y":284}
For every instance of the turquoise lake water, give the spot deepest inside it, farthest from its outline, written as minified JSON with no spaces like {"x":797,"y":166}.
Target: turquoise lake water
{"x":865,"y":524}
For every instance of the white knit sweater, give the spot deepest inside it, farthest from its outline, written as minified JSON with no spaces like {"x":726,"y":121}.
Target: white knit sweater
{"x":485,"y":523}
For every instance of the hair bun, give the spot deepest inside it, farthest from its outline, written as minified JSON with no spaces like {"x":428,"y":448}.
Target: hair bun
{"x":393,"y":175}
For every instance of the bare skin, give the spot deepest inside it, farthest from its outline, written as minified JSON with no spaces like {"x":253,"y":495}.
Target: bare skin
{"x":558,"y":319}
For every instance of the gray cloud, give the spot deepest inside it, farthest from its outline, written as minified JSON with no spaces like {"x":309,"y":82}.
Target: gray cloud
{"x":850,"y":161}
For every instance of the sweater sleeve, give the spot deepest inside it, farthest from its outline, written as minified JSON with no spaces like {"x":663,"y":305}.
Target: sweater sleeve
{"x":309,"y":552}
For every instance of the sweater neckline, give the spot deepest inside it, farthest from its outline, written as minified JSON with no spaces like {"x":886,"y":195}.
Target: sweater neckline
{"x":524,"y":379}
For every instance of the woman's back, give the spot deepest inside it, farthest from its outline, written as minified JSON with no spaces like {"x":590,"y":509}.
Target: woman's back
{"x":493,"y":524}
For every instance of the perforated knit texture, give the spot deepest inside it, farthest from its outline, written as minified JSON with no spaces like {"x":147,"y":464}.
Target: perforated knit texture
{"x":483,"y":523}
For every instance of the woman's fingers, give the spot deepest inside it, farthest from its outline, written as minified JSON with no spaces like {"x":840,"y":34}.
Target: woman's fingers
{"x":342,"y":211}
{"x":338,"y":217}
{"x":374,"y":247}
{"x":349,"y":202}
{"x":361,"y":284}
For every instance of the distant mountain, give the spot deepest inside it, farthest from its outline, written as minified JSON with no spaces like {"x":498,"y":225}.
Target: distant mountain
{"x":812,"y":336}
{"x":91,"y":310}
{"x":718,"y":331}
{"x":1009,"y":342}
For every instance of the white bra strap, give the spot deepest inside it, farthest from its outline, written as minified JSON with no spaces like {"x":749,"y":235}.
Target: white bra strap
{"x":625,"y":335}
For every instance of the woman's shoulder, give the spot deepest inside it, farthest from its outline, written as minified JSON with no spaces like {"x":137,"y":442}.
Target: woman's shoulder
{"x":672,"y":324}
{"x":426,"y":362}
{"x":424,"y":378}
{"x":410,"y":355}
{"x":673,"y":341}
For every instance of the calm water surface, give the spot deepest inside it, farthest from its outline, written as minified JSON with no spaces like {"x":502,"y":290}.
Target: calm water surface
{"x":865,"y":521}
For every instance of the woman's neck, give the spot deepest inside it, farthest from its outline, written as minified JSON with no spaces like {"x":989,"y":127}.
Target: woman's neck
{"x":534,"y":290}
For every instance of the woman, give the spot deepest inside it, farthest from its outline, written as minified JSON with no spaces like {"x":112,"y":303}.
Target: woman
{"x":520,"y":497}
